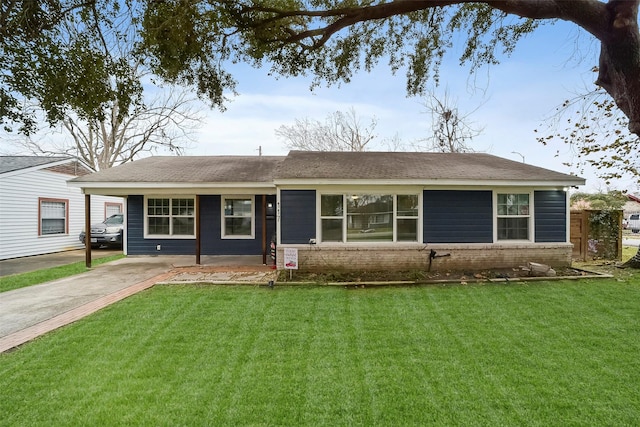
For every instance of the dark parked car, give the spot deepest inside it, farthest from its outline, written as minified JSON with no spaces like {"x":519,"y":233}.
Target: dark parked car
{"x":107,"y":232}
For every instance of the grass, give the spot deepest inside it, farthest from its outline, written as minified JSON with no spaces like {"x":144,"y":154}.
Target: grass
{"x":628,"y":252}
{"x":16,"y":281}
{"x":544,"y":353}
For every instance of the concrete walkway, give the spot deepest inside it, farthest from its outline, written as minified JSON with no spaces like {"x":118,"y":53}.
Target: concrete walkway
{"x":631,"y":242}
{"x":27,"y":313}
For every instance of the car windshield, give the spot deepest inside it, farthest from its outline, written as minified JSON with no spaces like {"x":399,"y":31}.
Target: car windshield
{"x":114,"y":220}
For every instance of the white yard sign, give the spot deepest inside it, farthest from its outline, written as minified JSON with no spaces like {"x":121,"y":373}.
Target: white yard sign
{"x":290,"y":258}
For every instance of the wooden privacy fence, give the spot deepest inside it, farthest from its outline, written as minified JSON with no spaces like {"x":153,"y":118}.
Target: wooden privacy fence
{"x":596,"y":234}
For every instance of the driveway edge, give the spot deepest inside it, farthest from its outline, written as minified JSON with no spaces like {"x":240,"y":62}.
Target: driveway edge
{"x":20,"y":337}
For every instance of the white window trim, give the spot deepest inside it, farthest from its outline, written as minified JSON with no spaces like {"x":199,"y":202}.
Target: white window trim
{"x":345,"y":192}
{"x":531,"y":224}
{"x":169,"y":236}
{"x":222,"y":217}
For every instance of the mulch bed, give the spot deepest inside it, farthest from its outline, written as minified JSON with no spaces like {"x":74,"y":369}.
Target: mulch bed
{"x":355,"y":278}
{"x":382,"y":277}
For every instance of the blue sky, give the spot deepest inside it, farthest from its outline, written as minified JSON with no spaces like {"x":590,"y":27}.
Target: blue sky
{"x":510,"y":101}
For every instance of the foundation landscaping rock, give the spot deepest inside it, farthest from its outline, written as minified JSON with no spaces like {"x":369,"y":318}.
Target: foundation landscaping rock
{"x":387,"y":278}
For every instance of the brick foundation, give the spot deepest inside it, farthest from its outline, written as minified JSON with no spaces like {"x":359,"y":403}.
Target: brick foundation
{"x":416,"y":257}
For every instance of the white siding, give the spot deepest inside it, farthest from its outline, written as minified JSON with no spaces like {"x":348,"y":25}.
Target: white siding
{"x":19,"y":194}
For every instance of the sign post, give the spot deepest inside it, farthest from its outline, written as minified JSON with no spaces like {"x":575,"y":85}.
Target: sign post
{"x":290,"y":260}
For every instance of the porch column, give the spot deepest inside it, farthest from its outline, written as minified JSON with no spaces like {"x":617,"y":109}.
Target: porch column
{"x":198,"y":228}
{"x":264,"y":229}
{"x":87,"y":230}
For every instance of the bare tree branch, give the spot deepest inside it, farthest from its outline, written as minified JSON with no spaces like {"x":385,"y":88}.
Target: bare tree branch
{"x":339,"y":132}
{"x":168,"y":124}
{"x":452,"y":131}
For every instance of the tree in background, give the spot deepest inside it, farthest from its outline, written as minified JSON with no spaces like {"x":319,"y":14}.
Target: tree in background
{"x":452,"y":130}
{"x":163,"y":125}
{"x":79,"y":69}
{"x":341,"y":131}
{"x":612,"y":200}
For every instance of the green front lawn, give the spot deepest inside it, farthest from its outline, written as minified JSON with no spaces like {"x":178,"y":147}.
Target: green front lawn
{"x":544,"y":353}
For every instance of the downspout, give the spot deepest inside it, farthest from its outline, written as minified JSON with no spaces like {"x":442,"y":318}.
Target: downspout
{"x":198,"y":228}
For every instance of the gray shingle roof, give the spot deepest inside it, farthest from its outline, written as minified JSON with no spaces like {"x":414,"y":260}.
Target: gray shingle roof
{"x":15,"y":163}
{"x":343,"y":166}
{"x":412,"y":166}
{"x":188,"y":169}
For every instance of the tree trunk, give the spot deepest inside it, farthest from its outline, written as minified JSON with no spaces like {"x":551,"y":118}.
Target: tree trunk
{"x":615,"y":24}
{"x":619,"y":68}
{"x":633,"y":262}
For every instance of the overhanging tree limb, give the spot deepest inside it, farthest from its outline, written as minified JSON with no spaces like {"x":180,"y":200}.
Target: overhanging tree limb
{"x":189,"y":41}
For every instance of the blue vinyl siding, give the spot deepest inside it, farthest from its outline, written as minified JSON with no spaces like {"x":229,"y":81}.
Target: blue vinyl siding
{"x":452,"y":216}
{"x":138,"y":245}
{"x":212,"y":244}
{"x":211,"y":229}
{"x":297,"y":216}
{"x":550,"y":209}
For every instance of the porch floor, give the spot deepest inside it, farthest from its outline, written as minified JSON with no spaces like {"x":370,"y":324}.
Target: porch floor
{"x":254,"y":261}
{"x":223,"y":269}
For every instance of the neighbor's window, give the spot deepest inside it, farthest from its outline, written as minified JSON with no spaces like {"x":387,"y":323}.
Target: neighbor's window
{"x":171,"y":217}
{"x":369,"y":218}
{"x":54,"y":215}
{"x":237,"y":217}
{"x":513,"y":216}
{"x":111,"y":208}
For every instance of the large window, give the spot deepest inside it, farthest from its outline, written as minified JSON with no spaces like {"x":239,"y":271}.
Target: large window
{"x":53,"y":215}
{"x":369,"y":217}
{"x":237,"y":217}
{"x":513,"y":216}
{"x":171,"y":217}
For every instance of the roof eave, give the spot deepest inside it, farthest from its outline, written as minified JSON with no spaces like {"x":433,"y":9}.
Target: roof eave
{"x":192,"y":188}
{"x":433,"y":182}
{"x":37,"y":167}
{"x":105,"y":184}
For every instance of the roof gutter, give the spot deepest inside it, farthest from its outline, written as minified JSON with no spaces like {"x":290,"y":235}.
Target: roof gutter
{"x":431,"y":182}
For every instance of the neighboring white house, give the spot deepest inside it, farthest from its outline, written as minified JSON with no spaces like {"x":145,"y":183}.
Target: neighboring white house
{"x":39,"y":213}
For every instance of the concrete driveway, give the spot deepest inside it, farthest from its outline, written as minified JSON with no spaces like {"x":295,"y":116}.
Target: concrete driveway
{"x":38,"y":262}
{"x":26,"y":313}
